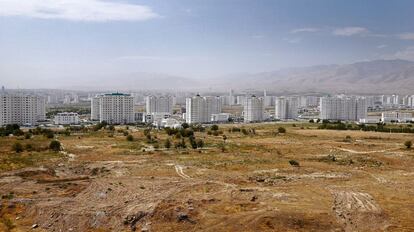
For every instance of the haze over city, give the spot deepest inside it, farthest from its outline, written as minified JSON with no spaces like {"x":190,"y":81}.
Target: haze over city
{"x":89,"y":43}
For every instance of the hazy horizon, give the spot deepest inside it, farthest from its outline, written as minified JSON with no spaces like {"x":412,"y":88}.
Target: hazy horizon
{"x":65,"y":44}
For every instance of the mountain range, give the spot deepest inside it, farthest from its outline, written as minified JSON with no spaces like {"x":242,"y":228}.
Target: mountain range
{"x":377,"y":76}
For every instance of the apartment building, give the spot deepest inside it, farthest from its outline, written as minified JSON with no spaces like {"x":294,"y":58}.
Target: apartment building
{"x":162,"y":104}
{"x":343,"y":108}
{"x":21,"y":109}
{"x":286,"y":108}
{"x":114,"y":108}
{"x":199,"y":109}
{"x":253,"y":109}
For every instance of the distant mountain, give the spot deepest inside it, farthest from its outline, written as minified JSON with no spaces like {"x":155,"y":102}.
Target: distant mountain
{"x":378,"y":76}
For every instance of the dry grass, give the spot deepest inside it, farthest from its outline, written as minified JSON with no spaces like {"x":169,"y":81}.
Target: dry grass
{"x":250,"y":186}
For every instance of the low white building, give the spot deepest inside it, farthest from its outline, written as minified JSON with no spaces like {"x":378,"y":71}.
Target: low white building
{"x":396,"y":117}
{"x":66,"y":118}
{"x":221,"y":117}
{"x":168,"y":122}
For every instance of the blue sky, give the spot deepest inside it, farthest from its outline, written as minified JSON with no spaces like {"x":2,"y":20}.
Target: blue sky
{"x":45,"y":42}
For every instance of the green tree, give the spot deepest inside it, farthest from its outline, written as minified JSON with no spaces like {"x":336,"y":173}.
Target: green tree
{"x":55,"y":145}
{"x":214,"y":127}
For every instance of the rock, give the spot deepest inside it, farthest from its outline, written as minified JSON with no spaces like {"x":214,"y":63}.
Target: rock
{"x":34,"y":226}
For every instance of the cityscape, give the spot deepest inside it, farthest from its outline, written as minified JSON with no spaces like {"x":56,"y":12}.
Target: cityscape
{"x":219,"y":115}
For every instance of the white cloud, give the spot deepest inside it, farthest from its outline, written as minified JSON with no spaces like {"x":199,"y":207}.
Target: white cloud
{"x":307,"y":29}
{"x":406,"y":36}
{"x":76,"y":10}
{"x":381,"y":46}
{"x":350,"y":31}
{"x":406,"y":54}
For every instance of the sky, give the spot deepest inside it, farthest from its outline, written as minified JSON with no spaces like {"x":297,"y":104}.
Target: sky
{"x":53,"y":43}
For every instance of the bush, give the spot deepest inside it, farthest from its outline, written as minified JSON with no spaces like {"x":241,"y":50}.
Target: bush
{"x":294,"y":163}
{"x":200,"y":143}
{"x":49,"y":134}
{"x":185,"y":125}
{"x":17,"y":147}
{"x":130,"y":138}
{"x":29,"y":147}
{"x":167,"y":144}
{"x":281,"y":130}
{"x":214,"y":127}
{"x":28,"y":136}
{"x":125,"y":133}
{"x":55,"y":145}
{"x":408,"y":144}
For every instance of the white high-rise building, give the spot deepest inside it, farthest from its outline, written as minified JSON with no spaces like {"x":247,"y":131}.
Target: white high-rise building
{"x":162,"y":104}
{"x":199,"y":109}
{"x":343,"y":108}
{"x":253,"y":109}
{"x":114,"y":108}
{"x":286,"y":108}
{"x":21,"y":109}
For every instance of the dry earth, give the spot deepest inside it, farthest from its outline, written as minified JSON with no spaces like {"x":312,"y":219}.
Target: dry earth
{"x":102,"y":183}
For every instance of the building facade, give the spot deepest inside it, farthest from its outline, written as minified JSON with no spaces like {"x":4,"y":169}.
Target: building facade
{"x":343,"y":108}
{"x":163,"y":104}
{"x":21,"y":109}
{"x":286,"y":108}
{"x":199,"y":109}
{"x":114,"y":108}
{"x":253,"y":109}
{"x":66,"y":118}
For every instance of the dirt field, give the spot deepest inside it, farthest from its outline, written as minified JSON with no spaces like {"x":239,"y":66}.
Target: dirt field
{"x":101,"y":182}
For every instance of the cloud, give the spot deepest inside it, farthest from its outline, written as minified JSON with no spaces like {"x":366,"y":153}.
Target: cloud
{"x":350,"y":31}
{"x":406,"y":36}
{"x":406,"y":54}
{"x":381,"y":46}
{"x":76,"y":10}
{"x":306,"y":29}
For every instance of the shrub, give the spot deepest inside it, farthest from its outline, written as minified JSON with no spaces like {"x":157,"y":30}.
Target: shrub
{"x":55,"y":145}
{"x":49,"y":134}
{"x":17,"y":147}
{"x":28,"y":136}
{"x":185,"y":125}
{"x":408,"y":144}
{"x":29,"y":147}
{"x":126,"y":133}
{"x":281,"y":130}
{"x":200,"y":143}
{"x":130,"y":138}
{"x":214,"y":127}
{"x":167,"y":144}
{"x":294,"y":163}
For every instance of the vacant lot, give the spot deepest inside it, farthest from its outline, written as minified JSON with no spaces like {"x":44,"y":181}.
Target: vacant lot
{"x":260,"y":180}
